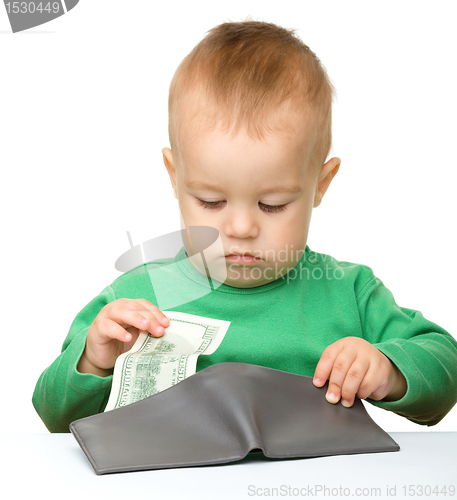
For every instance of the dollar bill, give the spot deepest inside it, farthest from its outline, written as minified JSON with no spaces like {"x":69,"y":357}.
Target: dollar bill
{"x":154,"y":364}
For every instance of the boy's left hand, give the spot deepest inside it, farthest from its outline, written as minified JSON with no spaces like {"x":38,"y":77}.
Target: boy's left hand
{"x":355,"y":367}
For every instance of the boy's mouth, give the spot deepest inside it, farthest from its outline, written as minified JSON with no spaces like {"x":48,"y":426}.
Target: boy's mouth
{"x":245,"y":258}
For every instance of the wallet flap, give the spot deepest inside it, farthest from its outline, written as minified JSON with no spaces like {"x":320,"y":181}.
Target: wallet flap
{"x":220,"y":414}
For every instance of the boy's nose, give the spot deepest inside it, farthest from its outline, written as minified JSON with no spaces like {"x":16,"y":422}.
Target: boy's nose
{"x":242,"y":226}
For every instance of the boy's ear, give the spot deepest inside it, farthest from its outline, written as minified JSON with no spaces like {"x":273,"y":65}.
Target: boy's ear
{"x":327,"y":173}
{"x":168,"y":162}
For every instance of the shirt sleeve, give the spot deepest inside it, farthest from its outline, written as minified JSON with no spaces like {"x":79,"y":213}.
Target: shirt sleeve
{"x":424,"y":352}
{"x":62,"y":394}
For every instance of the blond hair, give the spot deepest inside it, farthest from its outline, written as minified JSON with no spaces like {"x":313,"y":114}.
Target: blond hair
{"x":241,"y":72}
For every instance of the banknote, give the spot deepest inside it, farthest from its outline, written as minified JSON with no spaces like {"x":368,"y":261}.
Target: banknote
{"x":157,"y":363}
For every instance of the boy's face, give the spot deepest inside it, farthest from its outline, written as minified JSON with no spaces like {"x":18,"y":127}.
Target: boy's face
{"x":244,"y":182}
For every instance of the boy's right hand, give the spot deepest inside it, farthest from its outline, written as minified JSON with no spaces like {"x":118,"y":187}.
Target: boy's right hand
{"x":115,"y":330}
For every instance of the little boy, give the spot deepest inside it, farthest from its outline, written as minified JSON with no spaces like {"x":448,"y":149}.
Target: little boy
{"x":250,"y":130}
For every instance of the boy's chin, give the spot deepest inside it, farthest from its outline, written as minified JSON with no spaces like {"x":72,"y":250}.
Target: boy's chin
{"x":249,"y":277}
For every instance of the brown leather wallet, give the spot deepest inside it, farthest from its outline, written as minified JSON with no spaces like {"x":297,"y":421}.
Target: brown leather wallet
{"x":222,"y":413}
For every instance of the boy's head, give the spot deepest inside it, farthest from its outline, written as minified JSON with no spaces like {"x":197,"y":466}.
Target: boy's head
{"x":250,"y":128}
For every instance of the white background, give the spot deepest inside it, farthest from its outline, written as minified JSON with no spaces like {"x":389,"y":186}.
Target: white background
{"x":83,"y":119}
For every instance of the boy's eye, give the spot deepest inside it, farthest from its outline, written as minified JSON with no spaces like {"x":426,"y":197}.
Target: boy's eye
{"x":266,"y":208}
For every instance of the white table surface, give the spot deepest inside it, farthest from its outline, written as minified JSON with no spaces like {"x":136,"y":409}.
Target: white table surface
{"x":54,"y":466}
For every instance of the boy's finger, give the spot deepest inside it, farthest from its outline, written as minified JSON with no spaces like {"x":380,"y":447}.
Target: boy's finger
{"x":139,"y":318}
{"x":150,"y":323}
{"x":152,"y":308}
{"x":354,"y":378}
{"x":325,"y":365}
{"x":337,"y":378}
{"x":143,"y":320}
{"x":163,"y":320}
{"x":114,"y":330}
{"x":152,"y":326}
{"x":369,"y":383}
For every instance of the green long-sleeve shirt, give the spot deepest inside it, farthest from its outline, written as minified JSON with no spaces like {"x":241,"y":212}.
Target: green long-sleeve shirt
{"x":285,"y":324}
